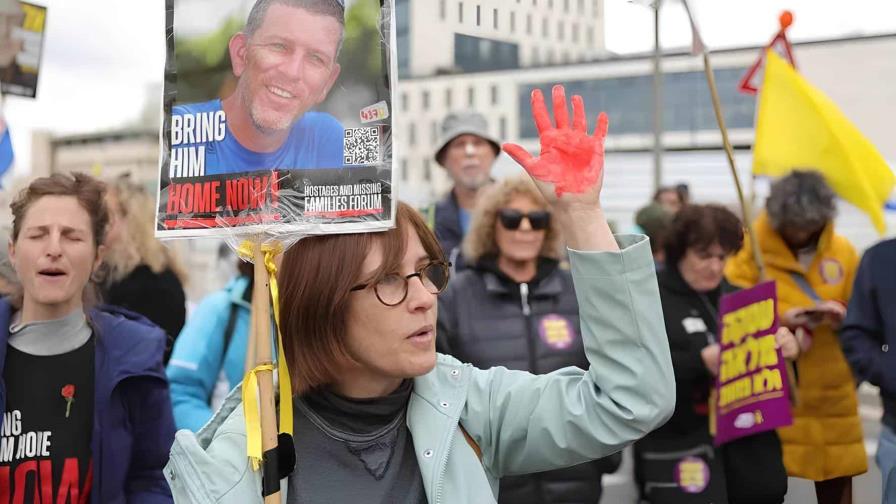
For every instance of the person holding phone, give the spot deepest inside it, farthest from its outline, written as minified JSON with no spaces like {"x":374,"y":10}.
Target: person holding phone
{"x":814,"y":269}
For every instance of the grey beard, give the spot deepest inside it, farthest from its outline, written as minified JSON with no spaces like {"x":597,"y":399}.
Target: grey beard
{"x":475,"y":184}
{"x":256,"y":121}
{"x":266,"y":130}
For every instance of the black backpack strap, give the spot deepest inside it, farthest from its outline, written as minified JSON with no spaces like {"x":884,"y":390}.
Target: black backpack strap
{"x":228,"y":329}
{"x":231,"y":323}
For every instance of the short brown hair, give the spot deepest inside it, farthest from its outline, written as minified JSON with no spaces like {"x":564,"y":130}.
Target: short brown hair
{"x":480,"y":241}
{"x":700,"y":226}
{"x":316,"y":278}
{"x":89,"y":192}
{"x":331,"y":8}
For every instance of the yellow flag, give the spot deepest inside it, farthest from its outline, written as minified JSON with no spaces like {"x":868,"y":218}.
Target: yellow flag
{"x":797,"y":126}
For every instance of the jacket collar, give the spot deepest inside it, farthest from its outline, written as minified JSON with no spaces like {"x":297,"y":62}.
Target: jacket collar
{"x":119,"y":358}
{"x":125,"y":360}
{"x":544,"y":284}
{"x":670,"y":279}
{"x":776,"y":252}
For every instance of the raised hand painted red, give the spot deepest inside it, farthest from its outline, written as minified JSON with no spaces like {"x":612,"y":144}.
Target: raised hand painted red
{"x":570,"y":158}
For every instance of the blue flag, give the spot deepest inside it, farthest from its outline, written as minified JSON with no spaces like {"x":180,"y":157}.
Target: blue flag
{"x":6,"y":155}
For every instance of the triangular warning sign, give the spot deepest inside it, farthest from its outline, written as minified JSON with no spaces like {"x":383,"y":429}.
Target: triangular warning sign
{"x":749,"y":83}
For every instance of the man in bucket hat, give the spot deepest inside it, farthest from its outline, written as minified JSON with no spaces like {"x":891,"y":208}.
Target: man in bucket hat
{"x":467,"y":152}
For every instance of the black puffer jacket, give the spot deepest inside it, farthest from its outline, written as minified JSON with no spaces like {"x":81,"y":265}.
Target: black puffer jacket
{"x":157,"y":296}
{"x":487,"y":319}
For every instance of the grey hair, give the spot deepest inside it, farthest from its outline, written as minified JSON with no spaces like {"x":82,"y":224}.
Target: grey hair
{"x":800,"y":200}
{"x":332,"y":8}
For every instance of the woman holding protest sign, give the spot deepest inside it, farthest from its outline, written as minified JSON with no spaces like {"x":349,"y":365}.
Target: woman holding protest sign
{"x":377,"y":407}
{"x":813,"y":268}
{"x":747,"y":470}
{"x":515,"y":306}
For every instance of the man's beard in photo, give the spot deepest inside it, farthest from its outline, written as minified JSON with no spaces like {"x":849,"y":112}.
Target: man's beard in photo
{"x":268,"y":125}
{"x":261,"y":119}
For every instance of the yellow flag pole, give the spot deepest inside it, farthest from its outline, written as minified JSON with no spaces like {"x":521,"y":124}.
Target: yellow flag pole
{"x":745,"y":208}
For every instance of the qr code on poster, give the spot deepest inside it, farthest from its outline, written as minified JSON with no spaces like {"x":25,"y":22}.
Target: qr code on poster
{"x":361,"y":146}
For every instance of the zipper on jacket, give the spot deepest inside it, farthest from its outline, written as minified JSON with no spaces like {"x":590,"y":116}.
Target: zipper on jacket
{"x":443,"y":467}
{"x":530,"y":338}
{"x":524,"y":299}
{"x":533,"y":361}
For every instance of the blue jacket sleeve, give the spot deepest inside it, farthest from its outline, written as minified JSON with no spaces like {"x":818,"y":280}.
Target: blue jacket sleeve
{"x":152,"y":427}
{"x":861,"y":335}
{"x":196,"y":361}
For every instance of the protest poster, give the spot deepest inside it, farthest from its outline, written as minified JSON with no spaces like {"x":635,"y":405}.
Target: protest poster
{"x":21,"y":42}
{"x":751,"y":389}
{"x":277,"y":118}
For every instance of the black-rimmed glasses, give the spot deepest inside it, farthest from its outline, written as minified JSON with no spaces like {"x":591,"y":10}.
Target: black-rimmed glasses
{"x":392,"y":289}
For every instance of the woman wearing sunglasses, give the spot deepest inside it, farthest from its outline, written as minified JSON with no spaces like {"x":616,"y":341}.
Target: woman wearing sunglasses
{"x":516,"y":307}
{"x":379,"y":417}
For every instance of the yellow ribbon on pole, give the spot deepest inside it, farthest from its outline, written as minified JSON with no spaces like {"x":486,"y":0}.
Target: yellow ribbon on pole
{"x":253,"y":418}
{"x":250,"y":382}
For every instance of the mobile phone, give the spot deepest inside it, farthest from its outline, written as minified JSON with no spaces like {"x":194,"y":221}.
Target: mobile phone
{"x":814,"y":314}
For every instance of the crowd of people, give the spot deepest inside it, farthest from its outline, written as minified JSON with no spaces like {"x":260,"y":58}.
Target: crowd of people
{"x":501,"y":345}
{"x":558,"y":345}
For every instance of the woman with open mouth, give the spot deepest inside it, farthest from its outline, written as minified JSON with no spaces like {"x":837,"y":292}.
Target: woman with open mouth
{"x":86,"y":411}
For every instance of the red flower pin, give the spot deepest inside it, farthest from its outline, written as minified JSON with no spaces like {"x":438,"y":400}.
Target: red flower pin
{"x":68,"y":392}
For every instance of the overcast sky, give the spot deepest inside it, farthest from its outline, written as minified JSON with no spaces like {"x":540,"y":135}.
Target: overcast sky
{"x":103,"y":58}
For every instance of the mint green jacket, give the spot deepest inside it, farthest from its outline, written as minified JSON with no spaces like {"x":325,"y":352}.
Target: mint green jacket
{"x":523,"y":423}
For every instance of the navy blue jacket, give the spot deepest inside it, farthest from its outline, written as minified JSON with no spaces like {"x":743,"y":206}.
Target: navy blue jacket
{"x":443,"y":218}
{"x":133,"y":426}
{"x":868,"y":335}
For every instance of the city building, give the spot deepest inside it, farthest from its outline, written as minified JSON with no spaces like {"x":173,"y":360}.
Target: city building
{"x":451,"y":36}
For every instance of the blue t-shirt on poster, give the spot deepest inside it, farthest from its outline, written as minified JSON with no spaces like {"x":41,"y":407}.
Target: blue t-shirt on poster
{"x":315,"y":141}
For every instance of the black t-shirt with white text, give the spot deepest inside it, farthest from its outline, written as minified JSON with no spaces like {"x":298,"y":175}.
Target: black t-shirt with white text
{"x":45,"y":453}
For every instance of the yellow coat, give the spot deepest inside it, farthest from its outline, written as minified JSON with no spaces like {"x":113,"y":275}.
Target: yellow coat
{"x":825,"y":440}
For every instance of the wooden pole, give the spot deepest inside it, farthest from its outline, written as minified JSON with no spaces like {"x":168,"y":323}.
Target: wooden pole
{"x":262,"y":343}
{"x":745,"y":209}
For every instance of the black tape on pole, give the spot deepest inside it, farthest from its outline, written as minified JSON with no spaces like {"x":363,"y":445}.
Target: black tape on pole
{"x":270,"y":472}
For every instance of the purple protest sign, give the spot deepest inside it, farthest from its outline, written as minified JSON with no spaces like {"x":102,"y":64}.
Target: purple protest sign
{"x":752,"y":390}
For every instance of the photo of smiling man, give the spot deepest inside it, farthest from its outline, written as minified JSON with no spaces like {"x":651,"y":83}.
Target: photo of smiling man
{"x":285,"y":63}
{"x":277,"y":113}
